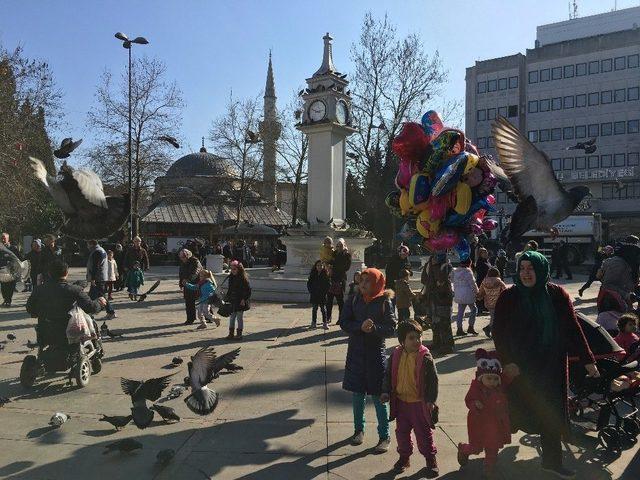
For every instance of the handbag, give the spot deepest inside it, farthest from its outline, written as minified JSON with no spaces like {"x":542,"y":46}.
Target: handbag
{"x":225,"y":309}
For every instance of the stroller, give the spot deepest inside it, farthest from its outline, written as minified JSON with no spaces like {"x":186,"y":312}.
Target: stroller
{"x":55,"y":354}
{"x":599,"y":395}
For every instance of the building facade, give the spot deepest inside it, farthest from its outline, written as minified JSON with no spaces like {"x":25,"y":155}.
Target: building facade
{"x":580,"y":82}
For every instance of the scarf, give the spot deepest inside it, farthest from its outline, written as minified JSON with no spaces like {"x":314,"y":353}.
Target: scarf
{"x":378,"y":281}
{"x":536,"y":301}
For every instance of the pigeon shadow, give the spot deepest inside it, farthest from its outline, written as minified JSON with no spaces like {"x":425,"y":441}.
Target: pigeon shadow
{"x":14,"y":467}
{"x":100,"y":433}
{"x":38,"y":432}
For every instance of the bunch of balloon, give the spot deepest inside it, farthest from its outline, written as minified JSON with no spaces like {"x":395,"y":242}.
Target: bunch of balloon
{"x":444,"y":187}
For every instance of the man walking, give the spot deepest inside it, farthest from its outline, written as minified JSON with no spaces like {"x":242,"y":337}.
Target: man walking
{"x":98,"y":274}
{"x":8,"y":287}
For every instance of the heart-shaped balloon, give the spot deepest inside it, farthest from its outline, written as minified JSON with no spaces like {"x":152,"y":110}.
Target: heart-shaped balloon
{"x":488,"y":224}
{"x":411,"y":143}
{"x":443,"y":241}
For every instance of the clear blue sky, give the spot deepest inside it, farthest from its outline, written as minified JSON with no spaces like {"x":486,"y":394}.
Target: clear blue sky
{"x":213,"y":46}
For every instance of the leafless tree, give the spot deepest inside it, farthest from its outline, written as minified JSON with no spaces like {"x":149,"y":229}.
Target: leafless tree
{"x":292,"y":152}
{"x":451,"y":113}
{"x":234,"y":136}
{"x":156,"y":107}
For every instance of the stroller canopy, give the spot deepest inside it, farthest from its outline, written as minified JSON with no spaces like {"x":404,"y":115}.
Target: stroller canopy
{"x":599,"y":340}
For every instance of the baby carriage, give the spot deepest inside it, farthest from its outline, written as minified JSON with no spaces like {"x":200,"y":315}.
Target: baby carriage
{"x":614,"y":400}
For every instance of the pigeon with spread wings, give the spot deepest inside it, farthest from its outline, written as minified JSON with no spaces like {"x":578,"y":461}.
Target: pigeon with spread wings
{"x":542,"y":200}
{"x":141,"y":391}
{"x":80,"y":195}
{"x":203,"y":368}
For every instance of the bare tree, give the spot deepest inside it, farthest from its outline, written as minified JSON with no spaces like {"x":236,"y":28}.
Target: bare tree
{"x":156,"y":107}
{"x":393,"y":80}
{"x":452,"y":113}
{"x":234,"y":135}
{"x":292,"y":152}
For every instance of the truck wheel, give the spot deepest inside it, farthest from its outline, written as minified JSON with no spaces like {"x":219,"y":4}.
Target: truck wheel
{"x":573,"y":256}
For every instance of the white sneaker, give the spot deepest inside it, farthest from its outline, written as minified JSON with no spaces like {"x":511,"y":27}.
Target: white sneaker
{"x":358,"y":438}
{"x":383,"y":445}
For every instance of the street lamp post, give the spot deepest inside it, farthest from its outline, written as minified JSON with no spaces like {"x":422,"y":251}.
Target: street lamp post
{"x":126,"y":43}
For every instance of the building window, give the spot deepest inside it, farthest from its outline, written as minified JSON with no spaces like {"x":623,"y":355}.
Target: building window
{"x":481,"y":115}
{"x":482,"y":142}
{"x":492,"y":85}
{"x":606,"y":65}
{"x":556,"y":103}
{"x":512,"y":111}
{"x":618,"y":128}
{"x":556,"y":134}
{"x":618,"y":160}
{"x":544,"y":135}
{"x":593,"y":161}
{"x":581,"y":131}
{"x":593,"y":67}
{"x":606,"y":129}
{"x":581,"y":100}
{"x":556,"y":73}
{"x":545,"y":75}
{"x":632,"y":61}
{"x":567,"y":133}
{"x":568,"y":102}
{"x":491,"y":142}
{"x":581,"y":69}
{"x":605,"y":97}
{"x":605,"y":161}
{"x":618,"y":95}
{"x":633,"y":93}
{"x":581,"y":163}
{"x":482,"y":87}
{"x":633,"y":159}
{"x":632,"y":126}
{"x":532,"y":135}
{"x":607,"y":191}
{"x":567,"y":163}
{"x":502,"y":84}
{"x":619,"y":63}
{"x":533,"y":106}
{"x":594,"y":98}
{"x":544,"y":105}
{"x":533,"y":76}
{"x":569,"y":71}
{"x":502,"y":111}
{"x":594,"y":130}
{"x":491,"y":113}
{"x":513,"y":82}
{"x":556,"y":164}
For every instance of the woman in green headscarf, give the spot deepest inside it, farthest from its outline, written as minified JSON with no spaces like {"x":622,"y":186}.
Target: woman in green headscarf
{"x":534,"y":328}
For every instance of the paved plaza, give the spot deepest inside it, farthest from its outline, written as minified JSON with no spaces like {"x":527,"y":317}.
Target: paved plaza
{"x":284,"y":416}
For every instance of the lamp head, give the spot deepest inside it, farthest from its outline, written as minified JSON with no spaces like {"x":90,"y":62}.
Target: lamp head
{"x":140,"y":41}
{"x":122,"y":36}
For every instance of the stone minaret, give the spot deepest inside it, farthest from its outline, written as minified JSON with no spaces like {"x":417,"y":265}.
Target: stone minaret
{"x":270,"y":130}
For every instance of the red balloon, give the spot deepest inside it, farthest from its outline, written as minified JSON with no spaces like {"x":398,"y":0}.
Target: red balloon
{"x":491,"y":200}
{"x":444,"y":241}
{"x":479,"y":215}
{"x":411,"y":143}
{"x":438,"y":207}
{"x":489,"y":224}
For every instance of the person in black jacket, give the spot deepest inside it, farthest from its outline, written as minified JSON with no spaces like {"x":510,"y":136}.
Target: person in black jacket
{"x":189,"y":271}
{"x":397,"y":263}
{"x":482,"y":268}
{"x":8,"y":287}
{"x":238,"y":294}
{"x":318,"y":286}
{"x":50,"y":253}
{"x":51,"y":303}
{"x":34,"y":261}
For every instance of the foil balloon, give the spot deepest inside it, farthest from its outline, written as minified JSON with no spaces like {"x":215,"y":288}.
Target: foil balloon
{"x":488,"y":224}
{"x":411,"y":143}
{"x":463,"y":249}
{"x":443,"y":241}
{"x":447,"y":177}
{"x":392,"y":201}
{"x":431,"y":124}
{"x":419,"y":189}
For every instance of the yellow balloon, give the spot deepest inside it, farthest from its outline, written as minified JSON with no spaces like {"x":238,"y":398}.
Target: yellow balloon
{"x":405,"y":206}
{"x":426,"y":226}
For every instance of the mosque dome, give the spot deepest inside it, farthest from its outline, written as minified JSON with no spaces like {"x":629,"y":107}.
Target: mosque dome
{"x":201,"y":163}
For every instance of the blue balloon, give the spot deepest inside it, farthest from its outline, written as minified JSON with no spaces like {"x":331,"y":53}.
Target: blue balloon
{"x":447,"y":177}
{"x":463,"y":249}
{"x":459,"y":220}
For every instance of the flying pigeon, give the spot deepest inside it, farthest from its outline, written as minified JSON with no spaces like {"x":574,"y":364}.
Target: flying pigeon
{"x":589,"y":146}
{"x":252,"y":137}
{"x":125,"y":445}
{"x":66,"y":147}
{"x":11,"y":337}
{"x":118,"y":421}
{"x":165,"y":456}
{"x":140,"y":392}
{"x":542,"y":200}
{"x":170,"y":139}
{"x":168,"y":414}
{"x":11,"y":268}
{"x":142,"y":297}
{"x":58,"y":419}
{"x":301,"y":92}
{"x":203,"y":368}
{"x":80,"y":195}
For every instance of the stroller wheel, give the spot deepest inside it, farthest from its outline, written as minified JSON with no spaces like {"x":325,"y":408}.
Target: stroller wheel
{"x":83,"y":372}
{"x":631,"y":426}
{"x":610,"y":439}
{"x":29,"y":371}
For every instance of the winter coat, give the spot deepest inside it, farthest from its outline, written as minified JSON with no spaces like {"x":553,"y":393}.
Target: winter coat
{"x":464,"y":286}
{"x":47,"y":257}
{"x":341,"y":264}
{"x":490,"y":290}
{"x":97,"y":269}
{"x":34,"y":262}
{"x":501,"y":265}
{"x":354,"y":289}
{"x":134,"y":255}
{"x":488,"y":427}
{"x":482,"y":268}
{"x":437,"y":284}
{"x":326,"y":254}
{"x":238,"y":290}
{"x":426,"y":379}
{"x":112,"y":270}
{"x":404,"y":295}
{"x":393,"y":268}
{"x":365,"y":364}
{"x":205,"y":288}
{"x":189,"y":270}
{"x":318,"y":286}
{"x":135,"y":278}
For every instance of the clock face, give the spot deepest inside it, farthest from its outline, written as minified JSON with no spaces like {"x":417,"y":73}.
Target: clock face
{"x":317,"y":110}
{"x":341,"y":112}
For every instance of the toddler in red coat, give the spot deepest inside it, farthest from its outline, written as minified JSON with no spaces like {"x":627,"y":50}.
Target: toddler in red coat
{"x":488,"y":419}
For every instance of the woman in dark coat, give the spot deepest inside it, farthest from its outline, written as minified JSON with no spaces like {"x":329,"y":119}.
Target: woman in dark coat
{"x":535,"y":328}
{"x":397,"y":263}
{"x":189,"y":272}
{"x":482,"y":268}
{"x":318,"y":286}
{"x":368,"y":318}
{"x":238,"y":295}
{"x":340,"y":265}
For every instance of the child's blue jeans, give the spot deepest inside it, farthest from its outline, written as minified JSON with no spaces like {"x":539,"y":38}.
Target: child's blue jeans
{"x":237,"y":315}
{"x":382,"y":412}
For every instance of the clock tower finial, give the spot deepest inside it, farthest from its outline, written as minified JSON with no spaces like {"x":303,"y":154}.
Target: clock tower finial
{"x":327,"y":58}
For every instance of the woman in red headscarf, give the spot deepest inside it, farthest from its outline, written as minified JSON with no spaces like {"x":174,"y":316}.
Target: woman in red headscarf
{"x":368,"y":318}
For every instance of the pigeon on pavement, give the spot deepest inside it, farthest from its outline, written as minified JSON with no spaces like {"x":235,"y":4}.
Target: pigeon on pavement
{"x":168,"y":414}
{"x":125,"y":445}
{"x":143,"y":297}
{"x":32,"y":345}
{"x":141,"y":391}
{"x":177,"y":361}
{"x":11,"y":337}
{"x":118,"y":421}
{"x":203,"y":368}
{"x":58,"y":419}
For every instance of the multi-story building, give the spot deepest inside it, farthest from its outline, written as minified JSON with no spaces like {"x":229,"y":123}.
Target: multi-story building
{"x":581,"y":81}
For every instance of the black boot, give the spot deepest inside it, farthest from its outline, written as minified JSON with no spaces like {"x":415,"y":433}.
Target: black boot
{"x":239,"y":335}
{"x":230,"y":336}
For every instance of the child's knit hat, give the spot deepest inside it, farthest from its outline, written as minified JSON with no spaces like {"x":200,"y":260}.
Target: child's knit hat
{"x":487,"y":362}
